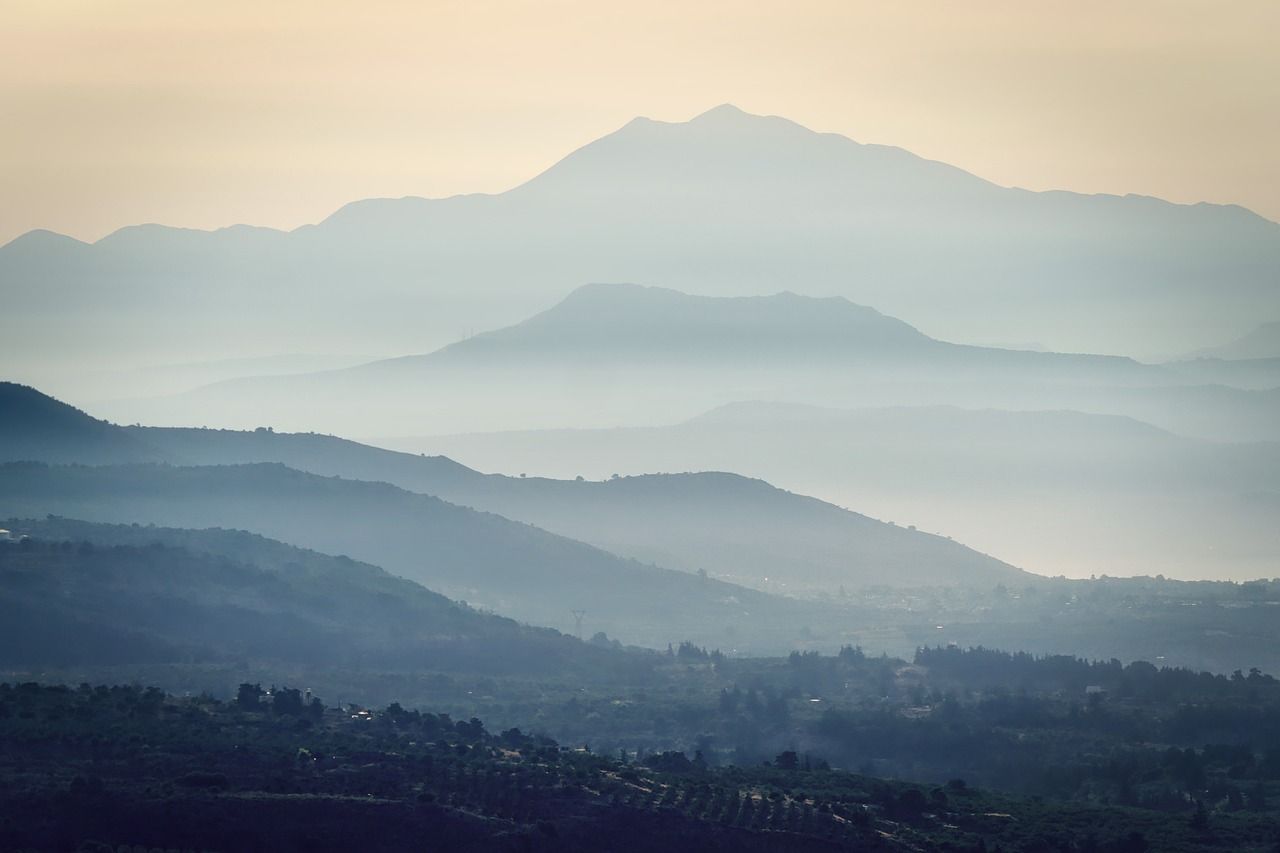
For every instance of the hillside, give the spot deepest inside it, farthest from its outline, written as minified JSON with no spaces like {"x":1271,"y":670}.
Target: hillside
{"x":93,"y":595}
{"x":738,"y":528}
{"x":733,"y":527}
{"x":724,"y":203}
{"x":730,"y":526}
{"x":485,"y":560}
{"x":36,"y":427}
{"x":1055,"y":491}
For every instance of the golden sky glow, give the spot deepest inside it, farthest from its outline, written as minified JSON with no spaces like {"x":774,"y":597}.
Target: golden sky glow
{"x":275,"y":113}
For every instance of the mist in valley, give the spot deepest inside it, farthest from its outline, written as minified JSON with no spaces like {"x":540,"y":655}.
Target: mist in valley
{"x":691,"y":494}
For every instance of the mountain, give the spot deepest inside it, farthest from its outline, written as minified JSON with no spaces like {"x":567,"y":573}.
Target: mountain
{"x":729,"y":526}
{"x":733,"y":527}
{"x":626,"y":355}
{"x":78,"y":594}
{"x":512,"y":569}
{"x":1259,"y":374}
{"x":537,"y":577}
{"x":1262,"y":343}
{"x":1065,"y":492}
{"x":740,"y":529}
{"x":35,"y":426}
{"x":623,"y":322}
{"x":726,"y":203}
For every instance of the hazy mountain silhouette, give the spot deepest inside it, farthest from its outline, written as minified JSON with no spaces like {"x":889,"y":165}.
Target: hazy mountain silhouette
{"x":1262,"y":343}
{"x":614,"y":355}
{"x":1258,"y":374}
{"x":730,"y":526}
{"x":144,"y":595}
{"x":733,"y":527}
{"x":626,"y":321}
{"x":1059,"y":491}
{"x":724,"y":203}
{"x":512,"y":569}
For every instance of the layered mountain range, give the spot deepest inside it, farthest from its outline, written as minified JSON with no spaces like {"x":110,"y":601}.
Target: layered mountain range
{"x":627,"y":355}
{"x":833,"y":577}
{"x":689,"y":556}
{"x":78,"y":594}
{"x":1059,"y":491}
{"x":726,"y":203}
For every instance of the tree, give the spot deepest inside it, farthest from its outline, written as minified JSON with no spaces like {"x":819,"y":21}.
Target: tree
{"x":787,"y":760}
{"x":911,"y":802}
{"x":287,"y":701}
{"x":1199,"y":818}
{"x":1134,"y":842}
{"x":249,"y":696}
{"x":1258,"y":797}
{"x":670,"y":762}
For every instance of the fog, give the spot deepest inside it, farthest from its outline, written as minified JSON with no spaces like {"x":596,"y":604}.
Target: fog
{"x":1057,"y":492}
{"x":1059,"y":463}
{"x":667,"y":501}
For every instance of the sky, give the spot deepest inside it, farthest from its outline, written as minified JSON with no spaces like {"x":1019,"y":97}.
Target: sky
{"x":205,"y":114}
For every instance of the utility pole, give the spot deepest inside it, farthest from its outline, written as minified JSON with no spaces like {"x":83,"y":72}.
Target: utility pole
{"x":577,"y":621}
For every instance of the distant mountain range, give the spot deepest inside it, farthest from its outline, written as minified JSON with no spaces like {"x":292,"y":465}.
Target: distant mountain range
{"x":1261,"y":343}
{"x":234,"y":607}
{"x":729,"y":526}
{"x":1061,"y":491}
{"x":727,"y":203}
{"x":1254,"y":374}
{"x":625,"y":355}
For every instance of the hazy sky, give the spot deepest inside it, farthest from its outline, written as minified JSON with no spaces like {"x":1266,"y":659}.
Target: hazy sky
{"x":206,"y":114}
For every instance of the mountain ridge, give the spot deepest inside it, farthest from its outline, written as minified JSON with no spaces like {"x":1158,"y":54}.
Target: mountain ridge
{"x":730,"y":203}
{"x":1261,"y":342}
{"x":1063,"y":492}
{"x":511,"y":568}
{"x":667,"y":519}
{"x":711,"y":115}
{"x":599,"y":303}
{"x":227,"y":595}
{"x":612,"y":355}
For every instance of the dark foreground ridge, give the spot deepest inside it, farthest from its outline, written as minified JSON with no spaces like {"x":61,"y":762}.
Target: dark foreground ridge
{"x":130,"y":768}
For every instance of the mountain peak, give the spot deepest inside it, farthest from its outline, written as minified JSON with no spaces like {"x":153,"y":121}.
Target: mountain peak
{"x":42,"y":239}
{"x":629,"y":295}
{"x":613,"y":291}
{"x":723,"y":112}
{"x":625,"y":317}
{"x":723,"y":115}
